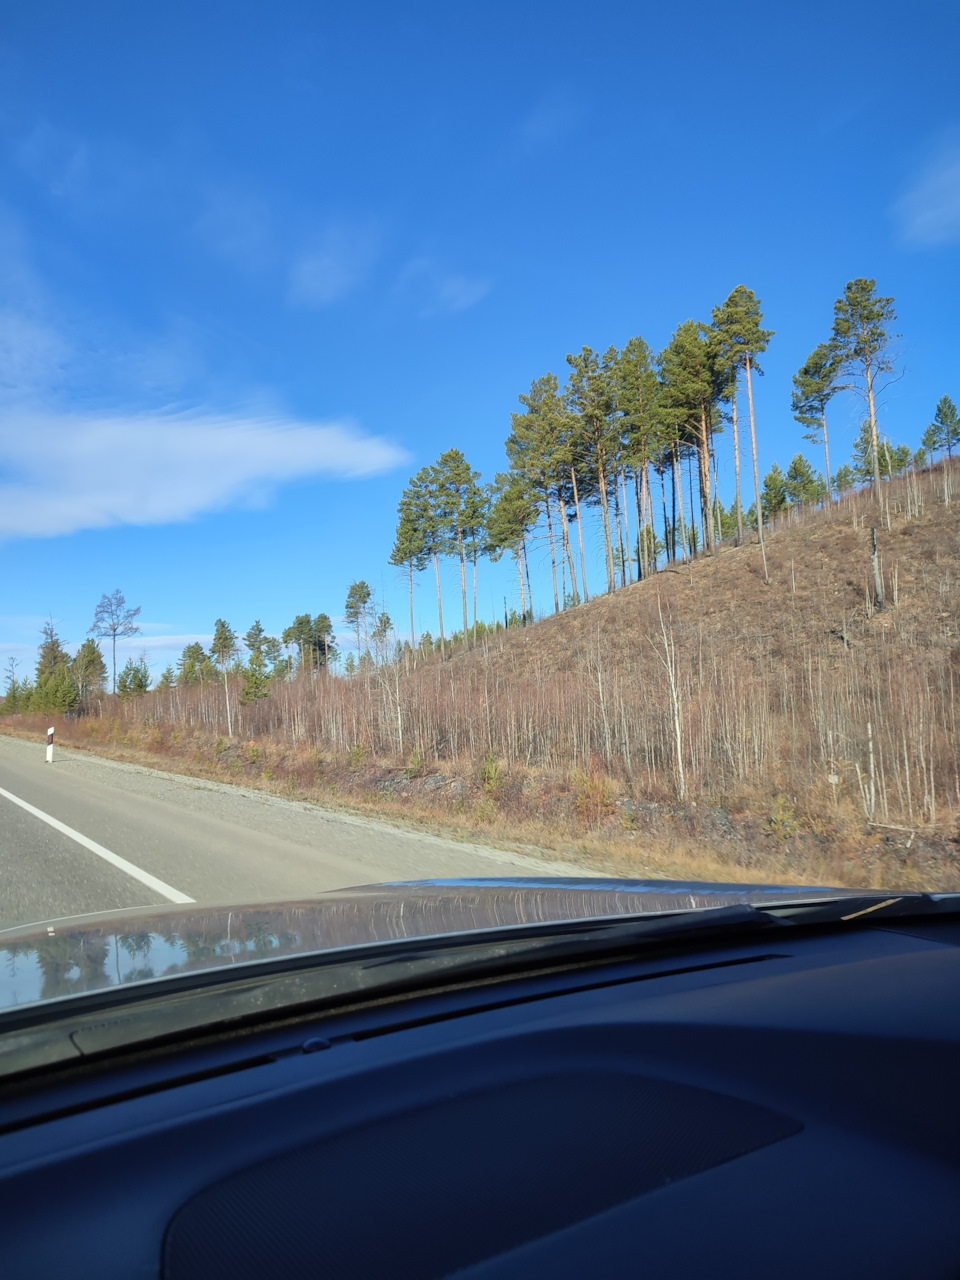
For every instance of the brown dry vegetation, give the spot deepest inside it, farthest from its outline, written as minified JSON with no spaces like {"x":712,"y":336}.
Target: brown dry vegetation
{"x":691,"y":724}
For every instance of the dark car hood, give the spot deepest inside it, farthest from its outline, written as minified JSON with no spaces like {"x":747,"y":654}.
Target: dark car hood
{"x":68,"y":957}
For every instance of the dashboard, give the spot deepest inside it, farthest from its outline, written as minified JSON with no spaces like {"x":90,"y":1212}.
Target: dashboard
{"x":786,"y":1106}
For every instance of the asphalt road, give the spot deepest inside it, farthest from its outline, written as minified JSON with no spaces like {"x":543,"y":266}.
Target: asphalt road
{"x":86,"y":834}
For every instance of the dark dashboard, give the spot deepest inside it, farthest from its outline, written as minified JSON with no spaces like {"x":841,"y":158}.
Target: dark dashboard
{"x":785,"y":1104}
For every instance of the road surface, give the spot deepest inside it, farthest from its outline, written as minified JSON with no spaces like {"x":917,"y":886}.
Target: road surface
{"x":86,"y":834}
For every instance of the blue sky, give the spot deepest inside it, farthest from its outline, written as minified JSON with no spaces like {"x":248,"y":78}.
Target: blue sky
{"x":261,"y":262}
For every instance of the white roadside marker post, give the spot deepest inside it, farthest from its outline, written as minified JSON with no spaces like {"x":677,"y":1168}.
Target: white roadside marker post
{"x":50,"y":745}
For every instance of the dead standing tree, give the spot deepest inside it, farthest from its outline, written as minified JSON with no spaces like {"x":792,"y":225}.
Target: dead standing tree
{"x":112,"y":618}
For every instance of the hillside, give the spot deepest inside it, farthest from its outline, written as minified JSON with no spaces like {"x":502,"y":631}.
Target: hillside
{"x":701,"y":722}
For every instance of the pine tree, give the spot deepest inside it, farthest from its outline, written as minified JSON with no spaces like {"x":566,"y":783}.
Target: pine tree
{"x":409,"y":551}
{"x":889,"y":460}
{"x":459,"y":506}
{"x":51,"y":656}
{"x":844,"y":480}
{"x":273,"y":652}
{"x":541,"y":449}
{"x":311,"y":637}
{"x":14,"y":689}
{"x":424,"y":506}
{"x":861,"y":340}
{"x":223,"y":650}
{"x":773,"y":497}
{"x":112,"y":618}
{"x":591,"y":395}
{"x":168,"y":678}
{"x":741,"y":336}
{"x":256,"y":677}
{"x":134,"y":679}
{"x":513,"y":514}
{"x":255,"y":638}
{"x":356,"y":614}
{"x":804,"y":485}
{"x":814,"y":386}
{"x":930,"y":441}
{"x":945,"y":426}
{"x":690,"y":385}
{"x":193,"y":665}
{"x":88,"y":671}
{"x":637,"y":393}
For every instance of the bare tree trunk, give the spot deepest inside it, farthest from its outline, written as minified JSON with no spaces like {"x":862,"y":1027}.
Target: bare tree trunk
{"x":607,"y":537}
{"x":678,"y":496}
{"x":523,"y":597}
{"x":474,"y":600}
{"x":526,"y":570}
{"x":553,"y":555}
{"x":877,"y":575}
{"x":413,"y":637}
{"x":826,"y":451}
{"x":703,"y":467}
{"x":616,"y":520}
{"x":874,"y":441}
{"x":567,"y":549}
{"x":669,"y":660}
{"x":436,"y":569}
{"x":463,"y":589}
{"x":583,"y":558}
{"x":667,"y":537}
{"x":756,"y":467}
{"x":639,"y":493}
{"x":628,"y":554}
{"x":650,"y":527}
{"x":736,"y":459}
{"x":226,"y":698}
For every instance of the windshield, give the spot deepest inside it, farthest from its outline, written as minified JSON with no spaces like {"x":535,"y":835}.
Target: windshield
{"x":468,"y":472}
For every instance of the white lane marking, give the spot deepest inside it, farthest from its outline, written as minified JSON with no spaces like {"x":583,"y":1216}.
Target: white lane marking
{"x":158,"y":886}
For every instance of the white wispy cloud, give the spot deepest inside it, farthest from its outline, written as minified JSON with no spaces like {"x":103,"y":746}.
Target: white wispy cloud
{"x":929,"y":210}
{"x":62,"y":472}
{"x":433,"y":290}
{"x":333,"y":266}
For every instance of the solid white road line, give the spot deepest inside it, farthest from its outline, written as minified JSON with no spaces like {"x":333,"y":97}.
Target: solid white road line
{"x":158,"y":886}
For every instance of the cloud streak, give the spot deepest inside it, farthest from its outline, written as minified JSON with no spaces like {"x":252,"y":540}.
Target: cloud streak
{"x":929,"y":211}
{"x":432,"y":290}
{"x":333,"y":267}
{"x":60,"y":473}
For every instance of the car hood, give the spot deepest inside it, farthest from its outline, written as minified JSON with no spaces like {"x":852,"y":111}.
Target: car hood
{"x":68,"y":957}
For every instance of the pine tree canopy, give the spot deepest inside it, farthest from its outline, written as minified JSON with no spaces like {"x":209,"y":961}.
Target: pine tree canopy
{"x":134,"y":680}
{"x":945,"y":426}
{"x":861,"y":320}
{"x":223,"y":648}
{"x":814,"y":385}
{"x":513,"y":514}
{"x":738,"y":333}
{"x":802,"y":484}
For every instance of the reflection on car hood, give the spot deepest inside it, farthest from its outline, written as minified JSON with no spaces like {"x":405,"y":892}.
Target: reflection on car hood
{"x":62,"y":958}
